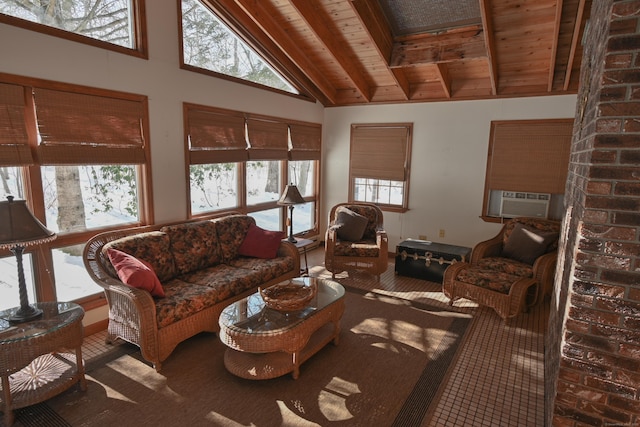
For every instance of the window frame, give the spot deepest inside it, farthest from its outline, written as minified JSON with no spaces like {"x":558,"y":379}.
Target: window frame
{"x":138,"y":19}
{"x":42,"y":258}
{"x":393,"y":168}
{"x":546,"y":180}
{"x":273,"y":150}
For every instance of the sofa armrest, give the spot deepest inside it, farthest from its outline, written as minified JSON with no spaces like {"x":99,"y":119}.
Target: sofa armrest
{"x":289,"y":249}
{"x":487,"y":248}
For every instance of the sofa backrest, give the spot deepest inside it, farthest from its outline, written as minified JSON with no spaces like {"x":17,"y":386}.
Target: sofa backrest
{"x":152,"y":247}
{"x":231,"y":232}
{"x":194,"y":245}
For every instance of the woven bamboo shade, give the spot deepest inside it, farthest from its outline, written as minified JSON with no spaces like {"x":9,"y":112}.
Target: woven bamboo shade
{"x":305,"y":142}
{"x":89,"y":129}
{"x":216,"y":136}
{"x":380,"y":151}
{"x":269,"y":140}
{"x":531,"y":156}
{"x":14,"y":143}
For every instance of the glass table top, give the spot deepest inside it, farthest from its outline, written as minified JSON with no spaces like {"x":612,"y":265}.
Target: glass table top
{"x":55,"y":315}
{"x":252,"y":316}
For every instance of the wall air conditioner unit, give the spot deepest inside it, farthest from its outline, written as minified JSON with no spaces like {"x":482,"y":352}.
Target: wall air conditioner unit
{"x":516,"y":204}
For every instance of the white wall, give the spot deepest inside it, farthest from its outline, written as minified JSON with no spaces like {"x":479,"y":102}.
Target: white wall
{"x":32,"y":54}
{"x":450,"y":144}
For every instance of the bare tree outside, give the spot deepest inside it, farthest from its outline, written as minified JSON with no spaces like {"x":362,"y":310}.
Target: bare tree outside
{"x":106,"y":20}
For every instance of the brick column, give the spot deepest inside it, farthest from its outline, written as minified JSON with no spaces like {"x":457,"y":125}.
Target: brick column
{"x":593,"y":345}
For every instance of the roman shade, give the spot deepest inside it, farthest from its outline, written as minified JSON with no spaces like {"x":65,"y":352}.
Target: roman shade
{"x":14,"y":143}
{"x":268,"y":139}
{"x":529,"y":155}
{"x":305,"y":142}
{"x":215,"y":136}
{"x":80,"y":128}
{"x":380,"y":151}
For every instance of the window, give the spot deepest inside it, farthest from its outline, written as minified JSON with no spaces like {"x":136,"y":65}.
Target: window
{"x":527,"y":168}
{"x":89,"y":173}
{"x":242,"y":162}
{"x":207,"y":43}
{"x":116,"y":24}
{"x":379,"y":164}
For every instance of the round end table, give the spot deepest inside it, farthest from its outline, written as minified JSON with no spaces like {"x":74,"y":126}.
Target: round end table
{"x":33,"y":366}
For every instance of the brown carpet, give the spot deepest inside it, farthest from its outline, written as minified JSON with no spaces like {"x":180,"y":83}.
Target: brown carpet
{"x":387,"y":368}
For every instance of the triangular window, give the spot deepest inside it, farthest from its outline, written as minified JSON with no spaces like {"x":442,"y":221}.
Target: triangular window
{"x":209,"y":44}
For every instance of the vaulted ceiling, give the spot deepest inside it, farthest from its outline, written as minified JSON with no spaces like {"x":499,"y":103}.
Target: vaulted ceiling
{"x":354,"y":52}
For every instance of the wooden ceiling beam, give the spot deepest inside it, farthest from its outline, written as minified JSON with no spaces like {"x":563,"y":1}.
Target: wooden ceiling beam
{"x":490,"y":45}
{"x":554,"y":47}
{"x":252,"y":16}
{"x":375,"y":24}
{"x":318,"y":23}
{"x":444,"y":47}
{"x":443,"y":76}
{"x":574,"y":43}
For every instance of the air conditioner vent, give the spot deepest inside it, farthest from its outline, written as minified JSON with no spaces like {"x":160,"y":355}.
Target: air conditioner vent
{"x":515,"y":203}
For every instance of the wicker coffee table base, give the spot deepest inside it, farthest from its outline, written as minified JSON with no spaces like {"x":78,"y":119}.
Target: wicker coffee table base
{"x":263,"y":366}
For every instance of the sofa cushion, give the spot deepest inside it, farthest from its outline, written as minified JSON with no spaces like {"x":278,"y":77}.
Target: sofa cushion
{"x":194,"y":245}
{"x":226,"y":280}
{"x":183,"y":299}
{"x":231,"y":231}
{"x":526,"y":244}
{"x":267,"y":268}
{"x":349,"y":224}
{"x":260,"y":243}
{"x":135,"y":273}
{"x":152,"y":247}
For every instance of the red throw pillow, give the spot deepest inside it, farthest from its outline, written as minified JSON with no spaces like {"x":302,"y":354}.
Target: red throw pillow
{"x":261,"y":243}
{"x":135,"y":273}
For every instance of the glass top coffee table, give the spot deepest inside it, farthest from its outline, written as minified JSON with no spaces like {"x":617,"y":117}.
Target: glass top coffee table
{"x":265,"y":343}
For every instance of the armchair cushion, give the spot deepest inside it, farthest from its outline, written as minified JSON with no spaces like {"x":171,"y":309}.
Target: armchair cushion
{"x":526,"y":244}
{"x":350,"y":225}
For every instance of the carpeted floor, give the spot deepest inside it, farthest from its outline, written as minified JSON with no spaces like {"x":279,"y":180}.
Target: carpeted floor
{"x":392,"y":356}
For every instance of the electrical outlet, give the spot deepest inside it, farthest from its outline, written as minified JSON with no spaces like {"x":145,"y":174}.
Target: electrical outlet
{"x":441,"y":232}
{"x":422,"y":237}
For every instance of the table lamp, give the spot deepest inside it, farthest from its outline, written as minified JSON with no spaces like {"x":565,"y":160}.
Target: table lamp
{"x":19,"y":229}
{"x":291,"y":196}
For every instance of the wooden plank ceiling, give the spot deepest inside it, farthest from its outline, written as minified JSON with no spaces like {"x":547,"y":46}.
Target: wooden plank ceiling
{"x":346,"y":52}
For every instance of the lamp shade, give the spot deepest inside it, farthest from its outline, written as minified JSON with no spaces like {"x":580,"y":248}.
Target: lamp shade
{"x":290,"y":196}
{"x":18,"y":226}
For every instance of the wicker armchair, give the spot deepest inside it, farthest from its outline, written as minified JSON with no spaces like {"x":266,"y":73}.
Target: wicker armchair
{"x":368,"y":253}
{"x":500,"y":275}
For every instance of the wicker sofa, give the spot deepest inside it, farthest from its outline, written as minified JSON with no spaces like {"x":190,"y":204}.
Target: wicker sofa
{"x":200,"y":270}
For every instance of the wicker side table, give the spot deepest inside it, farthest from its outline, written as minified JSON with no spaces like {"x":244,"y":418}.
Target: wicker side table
{"x":31,"y":367}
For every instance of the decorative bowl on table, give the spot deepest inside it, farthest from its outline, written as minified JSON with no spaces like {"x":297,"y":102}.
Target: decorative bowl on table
{"x":288,"y":296}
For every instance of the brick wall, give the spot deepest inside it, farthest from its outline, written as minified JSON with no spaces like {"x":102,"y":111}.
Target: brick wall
{"x":593,"y":345}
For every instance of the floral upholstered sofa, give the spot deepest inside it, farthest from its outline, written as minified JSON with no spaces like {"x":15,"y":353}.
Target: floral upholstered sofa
{"x":180,"y":276}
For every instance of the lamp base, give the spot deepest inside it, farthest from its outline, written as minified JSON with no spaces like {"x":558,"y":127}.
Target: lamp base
{"x":292,"y":239}
{"x":25,"y":314}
